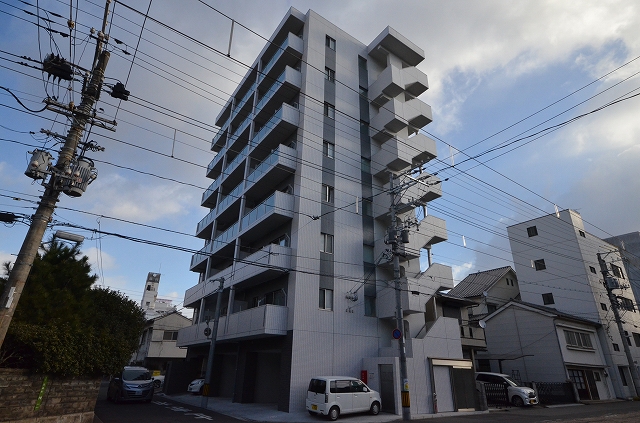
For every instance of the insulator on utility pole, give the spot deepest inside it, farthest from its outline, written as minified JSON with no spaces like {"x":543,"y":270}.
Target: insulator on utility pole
{"x":119,"y":91}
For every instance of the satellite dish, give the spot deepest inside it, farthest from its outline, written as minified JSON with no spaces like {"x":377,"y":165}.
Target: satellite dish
{"x":485,"y":294}
{"x":482,"y":324}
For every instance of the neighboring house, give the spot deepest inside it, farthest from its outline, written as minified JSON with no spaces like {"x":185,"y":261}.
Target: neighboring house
{"x":533,"y":343}
{"x":557,"y":266}
{"x":488,"y":290}
{"x":158,"y":341}
{"x":298,"y":214}
{"x":629,"y":247}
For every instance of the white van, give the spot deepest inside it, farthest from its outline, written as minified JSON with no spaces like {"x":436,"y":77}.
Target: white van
{"x":335,"y":395}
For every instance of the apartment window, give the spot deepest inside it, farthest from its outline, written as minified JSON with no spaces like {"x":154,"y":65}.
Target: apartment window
{"x":592,"y":269}
{"x":329,"y":74}
{"x":470,"y":332}
{"x":327,"y":193}
{"x":148,"y":303}
{"x":596,"y":376}
{"x":326,"y":299}
{"x":170,"y":335}
{"x":626,"y":335}
{"x":532,"y":231}
{"x":581,"y":233}
{"x":470,"y":311}
{"x":616,"y":347}
{"x":623,"y":376}
{"x":365,"y":165}
{"x":329,"y":110}
{"x":578,"y":339}
{"x":148,"y":287}
{"x":462,"y":332}
{"x":491,"y":308}
{"x":328,"y":149}
{"x":367,"y":207}
{"x":327,"y":243}
{"x":636,"y":339}
{"x":539,"y":264}
{"x":603,"y":306}
{"x":617,"y":271}
{"x":626,"y":304}
{"x":547,"y":298}
{"x":368,"y":254}
{"x":370,"y":306}
{"x":330,"y":42}
{"x":282,"y":240}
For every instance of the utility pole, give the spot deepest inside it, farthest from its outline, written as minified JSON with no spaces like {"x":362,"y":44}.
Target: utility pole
{"x":614,"y":306}
{"x":206,"y":390}
{"x":61,"y":175}
{"x":393,"y":240}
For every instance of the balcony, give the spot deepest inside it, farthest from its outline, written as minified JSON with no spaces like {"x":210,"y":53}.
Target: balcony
{"x":432,"y":230}
{"x":283,"y":90}
{"x":265,"y":264}
{"x":391,"y":41}
{"x":393,"y":81}
{"x":208,"y":197}
{"x":259,"y":322}
{"x":276,"y":210}
{"x":399,"y":154}
{"x":287,"y":54}
{"x":220,"y":140}
{"x":417,"y":113}
{"x":244,"y":106}
{"x":215,"y":167}
{"x":199,"y":260}
{"x":412,"y":301}
{"x":279,"y":127}
{"x":429,"y":188}
{"x":280,"y":164}
{"x":203,"y":230}
{"x":396,"y":115}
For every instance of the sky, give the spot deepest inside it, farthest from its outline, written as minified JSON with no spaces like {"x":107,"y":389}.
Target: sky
{"x":505,"y":78}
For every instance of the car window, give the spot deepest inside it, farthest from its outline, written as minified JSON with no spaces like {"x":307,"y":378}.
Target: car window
{"x":496,"y":379}
{"x":136,"y":374}
{"x":357,"y":386}
{"x":482,"y":378}
{"x":318,"y":386}
{"x":512,"y":382}
{"x":340,"y":386}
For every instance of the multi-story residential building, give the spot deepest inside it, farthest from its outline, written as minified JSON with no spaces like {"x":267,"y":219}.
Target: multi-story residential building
{"x":488,"y":290}
{"x":629,"y":247}
{"x":150,"y":303}
{"x":299,"y":210}
{"x":557,"y":266}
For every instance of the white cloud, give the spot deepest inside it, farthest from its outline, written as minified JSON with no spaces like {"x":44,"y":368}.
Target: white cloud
{"x":100,"y":260}
{"x":461,"y":271}
{"x":4,"y":257}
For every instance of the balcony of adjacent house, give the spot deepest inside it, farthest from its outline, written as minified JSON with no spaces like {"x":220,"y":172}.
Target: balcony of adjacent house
{"x":266,"y":173}
{"x":239,"y":137}
{"x":393,"y":81}
{"x":242,"y":90}
{"x":287,"y":53}
{"x":472,"y":336}
{"x":253,"y":266}
{"x":279,"y":127}
{"x":283,"y":90}
{"x":220,"y":139}
{"x":400,"y":153}
{"x":244,"y":105}
{"x":423,"y":188}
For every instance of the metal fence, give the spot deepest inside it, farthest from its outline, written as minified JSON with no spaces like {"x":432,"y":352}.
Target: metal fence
{"x":555,"y":392}
{"x":496,"y":394}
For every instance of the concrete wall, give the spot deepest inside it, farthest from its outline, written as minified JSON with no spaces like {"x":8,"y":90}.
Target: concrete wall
{"x":70,"y":399}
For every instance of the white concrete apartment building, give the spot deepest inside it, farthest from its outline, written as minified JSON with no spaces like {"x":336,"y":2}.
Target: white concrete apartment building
{"x":298,"y":216}
{"x":557,"y":266}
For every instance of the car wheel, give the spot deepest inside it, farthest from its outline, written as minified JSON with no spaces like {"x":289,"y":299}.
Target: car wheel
{"x":375,"y":408}
{"x":157,"y":384}
{"x":517,"y":401}
{"x":334,"y":413}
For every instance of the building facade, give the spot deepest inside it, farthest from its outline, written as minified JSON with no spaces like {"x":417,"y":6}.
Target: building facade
{"x":150,"y":303}
{"x":629,"y":247}
{"x":299,"y":210}
{"x":557,"y":265}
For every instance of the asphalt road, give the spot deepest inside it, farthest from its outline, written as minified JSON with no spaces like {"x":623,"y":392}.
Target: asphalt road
{"x":160,"y":410}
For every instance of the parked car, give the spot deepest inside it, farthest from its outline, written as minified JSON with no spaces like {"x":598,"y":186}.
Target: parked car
{"x":335,"y":395}
{"x":132,"y":384}
{"x":196,"y":386}
{"x":518,"y":394}
{"x":158,"y":381}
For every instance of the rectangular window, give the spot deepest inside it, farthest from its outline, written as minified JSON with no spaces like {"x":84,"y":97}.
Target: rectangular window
{"x":368,"y":254}
{"x":626,"y":304}
{"x":623,"y":376}
{"x":329,"y":110}
{"x":592,"y":269}
{"x":170,"y":335}
{"x":367,"y":207}
{"x":626,"y":335}
{"x":329,"y":74}
{"x":328,"y":149}
{"x":369,"y":306}
{"x":616,"y":347}
{"x":327,"y":193}
{"x":581,"y":233}
{"x":617,"y":272}
{"x":330,"y":42}
{"x":547,"y":298}
{"x":365,"y":165}
{"x":327,"y":243}
{"x":578,"y":339}
{"x":470,"y":332}
{"x":326,"y":299}
{"x":636,"y":339}
{"x":491,"y":308}
{"x":539,"y":264}
{"x":603,"y":306}
{"x":532,"y":231}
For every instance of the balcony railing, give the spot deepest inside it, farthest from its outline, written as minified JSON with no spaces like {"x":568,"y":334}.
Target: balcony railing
{"x":206,"y":221}
{"x":272,"y":159}
{"x":244,"y":100}
{"x":231,"y":197}
{"x":209,"y":191}
{"x":281,"y":49}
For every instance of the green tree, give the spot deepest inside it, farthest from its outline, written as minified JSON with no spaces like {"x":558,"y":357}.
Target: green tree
{"x":64,"y":325}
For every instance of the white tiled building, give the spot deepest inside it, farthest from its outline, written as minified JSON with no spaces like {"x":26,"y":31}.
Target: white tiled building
{"x":557,"y":266}
{"x":298,"y":216}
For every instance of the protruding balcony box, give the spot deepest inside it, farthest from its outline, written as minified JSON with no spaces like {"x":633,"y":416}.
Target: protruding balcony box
{"x":390,"y":118}
{"x":220,"y":139}
{"x":288,"y":54}
{"x":203,"y":230}
{"x":215,"y":167}
{"x":393,"y":81}
{"x":411,"y":296}
{"x":209,"y":196}
{"x":271,"y":213}
{"x":265,"y":264}
{"x":428,"y":189}
{"x":391,"y":41}
{"x":282,"y":124}
{"x":417,"y":113}
{"x":254,"y":323}
{"x":432,"y":230}
{"x":199,"y":260}
{"x":244,"y":106}
{"x":283,"y":89}
{"x":280,"y":164}
{"x":398,"y":154}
